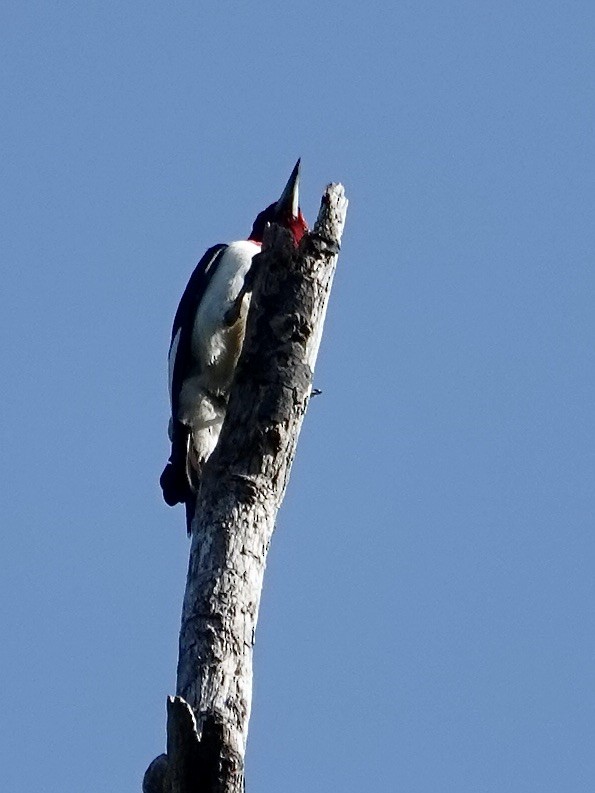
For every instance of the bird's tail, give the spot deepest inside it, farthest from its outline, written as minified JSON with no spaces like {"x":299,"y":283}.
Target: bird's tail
{"x":178,"y":480}
{"x":176,"y":490}
{"x":190,"y":505}
{"x":174,"y":484}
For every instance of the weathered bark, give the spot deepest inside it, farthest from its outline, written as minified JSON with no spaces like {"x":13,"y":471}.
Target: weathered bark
{"x":242,"y":488}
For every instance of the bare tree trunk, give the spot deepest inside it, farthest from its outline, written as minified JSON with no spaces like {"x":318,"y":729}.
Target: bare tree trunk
{"x":243,"y":486}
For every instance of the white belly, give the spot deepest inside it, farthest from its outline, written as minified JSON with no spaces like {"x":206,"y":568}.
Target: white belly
{"x":215,"y":350}
{"x":216,"y":347}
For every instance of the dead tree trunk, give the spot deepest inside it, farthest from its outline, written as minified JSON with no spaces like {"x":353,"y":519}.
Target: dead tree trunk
{"x":243,"y":486}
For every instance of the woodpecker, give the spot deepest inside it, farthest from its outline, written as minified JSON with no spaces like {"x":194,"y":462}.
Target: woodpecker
{"x":206,"y":341}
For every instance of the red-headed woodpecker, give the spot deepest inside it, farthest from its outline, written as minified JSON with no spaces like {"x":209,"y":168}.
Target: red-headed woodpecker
{"x":206,"y":341}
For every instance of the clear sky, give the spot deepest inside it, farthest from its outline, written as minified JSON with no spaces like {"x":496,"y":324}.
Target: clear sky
{"x":427,"y":621}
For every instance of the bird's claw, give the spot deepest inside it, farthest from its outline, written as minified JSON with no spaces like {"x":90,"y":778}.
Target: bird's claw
{"x":232,"y":314}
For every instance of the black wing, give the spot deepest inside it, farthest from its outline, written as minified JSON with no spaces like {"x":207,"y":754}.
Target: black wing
{"x":184,"y":320}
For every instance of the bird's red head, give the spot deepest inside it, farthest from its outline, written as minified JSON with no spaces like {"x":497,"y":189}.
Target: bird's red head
{"x":286,"y":211}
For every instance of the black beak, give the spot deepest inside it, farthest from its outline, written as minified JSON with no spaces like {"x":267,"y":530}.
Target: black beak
{"x":290,"y":197}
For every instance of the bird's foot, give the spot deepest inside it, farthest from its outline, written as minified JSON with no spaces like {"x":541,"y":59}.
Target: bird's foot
{"x":232,"y":314}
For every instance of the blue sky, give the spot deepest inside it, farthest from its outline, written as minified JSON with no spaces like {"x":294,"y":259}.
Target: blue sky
{"x":427,"y":619}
